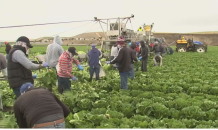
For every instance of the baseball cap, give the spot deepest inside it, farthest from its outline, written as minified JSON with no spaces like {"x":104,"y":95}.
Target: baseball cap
{"x":25,"y":86}
{"x":26,"y":40}
{"x":93,"y":46}
{"x":72,"y":50}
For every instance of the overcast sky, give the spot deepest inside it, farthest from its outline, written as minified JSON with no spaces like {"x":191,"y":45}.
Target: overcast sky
{"x":168,"y":15}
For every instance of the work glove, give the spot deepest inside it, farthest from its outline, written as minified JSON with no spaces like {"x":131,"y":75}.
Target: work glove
{"x":45,"y":64}
{"x":140,"y":58}
{"x":108,"y":62}
{"x":34,"y":76}
{"x":74,"y":78}
{"x":80,"y":67}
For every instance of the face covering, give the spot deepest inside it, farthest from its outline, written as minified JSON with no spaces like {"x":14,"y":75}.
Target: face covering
{"x":70,"y":54}
{"x":119,"y":46}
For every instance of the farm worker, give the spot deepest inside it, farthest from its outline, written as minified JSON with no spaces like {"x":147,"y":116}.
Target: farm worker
{"x":7,"y":49}
{"x":143,"y":56}
{"x":64,"y":68}
{"x":94,"y":66}
{"x":157,"y":59}
{"x":156,"y":48}
{"x":133,"y":58}
{"x":19,"y":66}
{"x":114,"y":51}
{"x":53,"y":52}
{"x":170,"y":50}
{"x":124,"y":61}
{"x":152,"y":45}
{"x":3,"y":65}
{"x":137,"y":49}
{"x":140,"y":29}
{"x":39,"y":108}
{"x":163,"y":49}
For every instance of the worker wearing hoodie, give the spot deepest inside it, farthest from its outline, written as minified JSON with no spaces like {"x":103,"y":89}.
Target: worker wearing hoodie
{"x":133,"y":58}
{"x":54,"y":51}
{"x":94,"y":62}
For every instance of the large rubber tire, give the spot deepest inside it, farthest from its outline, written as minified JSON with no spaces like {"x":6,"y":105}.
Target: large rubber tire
{"x":200,"y":49}
{"x":182,"y":49}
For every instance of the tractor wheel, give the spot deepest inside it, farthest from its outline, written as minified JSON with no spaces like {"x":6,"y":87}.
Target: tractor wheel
{"x":200,"y":49}
{"x":181,"y":49}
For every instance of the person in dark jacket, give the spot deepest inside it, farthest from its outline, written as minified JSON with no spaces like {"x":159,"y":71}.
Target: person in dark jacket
{"x":163,"y":49}
{"x":124,"y":61}
{"x":133,"y":59}
{"x":157,"y":49}
{"x":19,"y":66}
{"x":169,"y":50}
{"x":7,"y":49}
{"x":143,"y":56}
{"x":39,"y":108}
{"x":94,"y":66}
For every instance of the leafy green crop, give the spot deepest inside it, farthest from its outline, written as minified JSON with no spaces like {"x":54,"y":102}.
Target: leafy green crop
{"x":180,"y":94}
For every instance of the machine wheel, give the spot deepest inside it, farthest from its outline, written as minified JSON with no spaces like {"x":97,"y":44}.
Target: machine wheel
{"x":200,"y":49}
{"x":181,"y":49}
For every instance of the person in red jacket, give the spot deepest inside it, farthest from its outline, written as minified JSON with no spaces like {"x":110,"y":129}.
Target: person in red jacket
{"x":137,"y":49}
{"x":64,"y":69}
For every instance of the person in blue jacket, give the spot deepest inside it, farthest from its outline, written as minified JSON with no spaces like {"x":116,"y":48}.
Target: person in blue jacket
{"x":94,"y":66}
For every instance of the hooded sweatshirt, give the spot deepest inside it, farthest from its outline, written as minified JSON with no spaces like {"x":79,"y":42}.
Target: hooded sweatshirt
{"x":54,"y":51}
{"x":64,"y":68}
{"x":94,"y":57}
{"x":133,"y":53}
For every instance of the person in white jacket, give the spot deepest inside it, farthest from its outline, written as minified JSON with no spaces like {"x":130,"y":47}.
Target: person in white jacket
{"x":114,"y":51}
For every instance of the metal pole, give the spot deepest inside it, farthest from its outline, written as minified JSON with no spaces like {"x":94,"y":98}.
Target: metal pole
{"x":119,"y":26}
{"x":107,"y":30}
{"x":126,"y":22}
{"x":102,"y":29}
{"x":116,"y":18}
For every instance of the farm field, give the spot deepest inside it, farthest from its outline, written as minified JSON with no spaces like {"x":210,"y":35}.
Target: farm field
{"x":180,"y":94}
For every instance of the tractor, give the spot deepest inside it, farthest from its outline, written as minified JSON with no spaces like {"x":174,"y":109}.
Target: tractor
{"x":184,"y":45}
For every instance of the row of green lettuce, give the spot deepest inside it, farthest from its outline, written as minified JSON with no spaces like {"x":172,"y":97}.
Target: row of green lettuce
{"x":180,"y":94}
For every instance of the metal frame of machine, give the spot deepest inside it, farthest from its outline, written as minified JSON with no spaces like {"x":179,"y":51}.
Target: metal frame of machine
{"x":114,"y":30}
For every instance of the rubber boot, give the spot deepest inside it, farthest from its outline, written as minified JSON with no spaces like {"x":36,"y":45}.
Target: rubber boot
{"x":60,"y":89}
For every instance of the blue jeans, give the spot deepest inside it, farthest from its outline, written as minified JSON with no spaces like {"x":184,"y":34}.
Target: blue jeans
{"x":64,"y":83}
{"x":7,"y":55}
{"x":16,"y":91}
{"x":137,"y":54}
{"x":57,"y":126}
{"x":132,"y":72}
{"x":123,"y":80}
{"x":94,"y":69}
